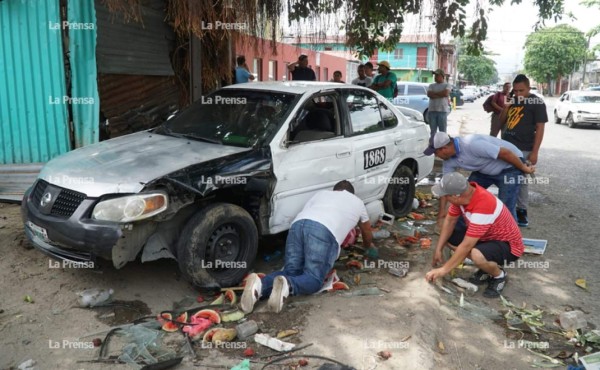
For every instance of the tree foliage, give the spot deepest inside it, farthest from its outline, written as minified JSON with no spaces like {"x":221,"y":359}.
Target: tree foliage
{"x":553,"y":52}
{"x":477,"y":69}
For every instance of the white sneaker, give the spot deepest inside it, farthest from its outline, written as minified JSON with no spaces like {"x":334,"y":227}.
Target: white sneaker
{"x":251,"y":293}
{"x":281,"y":290}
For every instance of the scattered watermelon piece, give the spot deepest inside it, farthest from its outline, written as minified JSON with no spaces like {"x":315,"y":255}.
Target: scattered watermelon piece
{"x":230,"y":296}
{"x":211,"y":315}
{"x":340,"y":286}
{"x":249,"y":352}
{"x":199,"y":325}
{"x":355,"y":264}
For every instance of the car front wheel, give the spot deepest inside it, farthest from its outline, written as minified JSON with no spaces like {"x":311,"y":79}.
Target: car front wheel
{"x":570,"y":121}
{"x":398,"y":198}
{"x":218,"y":246}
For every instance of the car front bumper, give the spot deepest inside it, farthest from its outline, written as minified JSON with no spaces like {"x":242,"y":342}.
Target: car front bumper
{"x":74,"y":237}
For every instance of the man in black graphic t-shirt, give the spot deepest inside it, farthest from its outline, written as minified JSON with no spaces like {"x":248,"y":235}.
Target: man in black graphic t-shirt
{"x":301,"y":71}
{"x":524,"y":119}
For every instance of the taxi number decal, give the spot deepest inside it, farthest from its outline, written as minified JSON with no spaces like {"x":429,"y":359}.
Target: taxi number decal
{"x":374,"y":157}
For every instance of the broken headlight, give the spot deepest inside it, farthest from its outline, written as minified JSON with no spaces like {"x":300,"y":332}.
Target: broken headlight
{"x":131,"y":208}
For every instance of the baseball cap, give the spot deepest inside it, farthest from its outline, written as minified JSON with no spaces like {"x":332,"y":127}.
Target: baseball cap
{"x":452,"y":183}
{"x":385,"y":63}
{"x":439,"y":71}
{"x":437,"y":141}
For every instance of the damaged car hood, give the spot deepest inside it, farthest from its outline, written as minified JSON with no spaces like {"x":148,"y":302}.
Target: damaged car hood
{"x":126,"y":164}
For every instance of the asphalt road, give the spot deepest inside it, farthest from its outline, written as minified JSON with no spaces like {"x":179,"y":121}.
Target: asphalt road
{"x":564,"y":210}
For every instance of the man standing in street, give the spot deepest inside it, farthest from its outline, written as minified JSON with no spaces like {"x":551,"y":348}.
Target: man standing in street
{"x":242,"y":74}
{"x":301,"y":71}
{"x":490,"y":238}
{"x":312,"y":246}
{"x":492,"y":160}
{"x":362,"y":79}
{"x":498,"y":103}
{"x":385,"y":82}
{"x":524,"y":123}
{"x":437,"y":113}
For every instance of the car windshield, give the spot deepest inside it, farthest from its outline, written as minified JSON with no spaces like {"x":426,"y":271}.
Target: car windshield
{"x":586,"y":99}
{"x":232,"y":117}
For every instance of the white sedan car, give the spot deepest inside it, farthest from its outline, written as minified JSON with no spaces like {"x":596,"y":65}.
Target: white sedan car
{"x":237,"y":164}
{"x":578,"y":108}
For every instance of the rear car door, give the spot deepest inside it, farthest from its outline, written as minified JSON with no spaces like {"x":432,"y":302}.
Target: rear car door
{"x":371,"y":124}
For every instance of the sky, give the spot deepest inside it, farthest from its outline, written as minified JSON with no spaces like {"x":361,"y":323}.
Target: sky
{"x":509,"y":25}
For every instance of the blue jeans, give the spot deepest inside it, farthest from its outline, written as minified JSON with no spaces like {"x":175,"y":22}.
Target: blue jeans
{"x":508,"y":185}
{"x":310,"y":252}
{"x":437,"y":120}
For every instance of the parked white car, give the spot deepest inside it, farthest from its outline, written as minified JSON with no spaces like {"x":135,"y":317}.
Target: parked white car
{"x":239,"y":163}
{"x":578,"y":108}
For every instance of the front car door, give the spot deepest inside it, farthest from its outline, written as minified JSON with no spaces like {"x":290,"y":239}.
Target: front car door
{"x":308,"y":158}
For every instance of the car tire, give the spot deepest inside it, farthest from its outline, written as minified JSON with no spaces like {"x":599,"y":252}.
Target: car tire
{"x":556,"y":119}
{"x":569,"y":121}
{"x":425,"y":116}
{"x":399,"y":195}
{"x":218,"y":246}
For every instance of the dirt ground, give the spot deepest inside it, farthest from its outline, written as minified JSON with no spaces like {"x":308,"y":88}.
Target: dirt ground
{"x":420,"y":324}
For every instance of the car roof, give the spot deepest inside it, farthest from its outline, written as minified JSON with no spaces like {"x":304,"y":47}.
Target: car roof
{"x":413,"y":83}
{"x":294,"y":87}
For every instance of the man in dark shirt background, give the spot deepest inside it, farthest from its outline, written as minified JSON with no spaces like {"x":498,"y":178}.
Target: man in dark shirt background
{"x":301,"y":71}
{"x":524,"y":120}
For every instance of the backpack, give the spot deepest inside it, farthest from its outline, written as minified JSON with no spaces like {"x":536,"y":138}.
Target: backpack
{"x":487,"y":104}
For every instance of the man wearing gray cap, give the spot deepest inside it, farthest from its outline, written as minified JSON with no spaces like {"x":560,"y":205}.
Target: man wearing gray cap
{"x":492,"y":161}
{"x":439,"y":107}
{"x":490,"y":238}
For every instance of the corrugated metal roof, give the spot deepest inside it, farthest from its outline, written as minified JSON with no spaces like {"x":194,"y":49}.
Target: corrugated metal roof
{"x":33,"y":114}
{"x":15,"y":179}
{"x":84,"y":86}
{"x":134,"y":103}
{"x":132,"y":47}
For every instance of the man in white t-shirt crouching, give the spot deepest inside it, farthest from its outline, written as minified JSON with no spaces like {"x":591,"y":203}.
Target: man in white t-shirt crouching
{"x":312,"y":246}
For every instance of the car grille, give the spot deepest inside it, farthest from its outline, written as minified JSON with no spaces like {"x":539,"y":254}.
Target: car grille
{"x":65,"y":204}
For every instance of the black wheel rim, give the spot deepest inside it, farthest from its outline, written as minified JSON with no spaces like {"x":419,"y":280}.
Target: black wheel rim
{"x":224,"y":245}
{"x":400,"y":196}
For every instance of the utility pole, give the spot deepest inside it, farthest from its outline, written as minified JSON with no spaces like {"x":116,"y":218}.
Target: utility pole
{"x":585,"y":62}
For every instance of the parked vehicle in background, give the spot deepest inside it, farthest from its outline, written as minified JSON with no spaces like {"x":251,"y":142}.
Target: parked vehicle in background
{"x":534,"y":90}
{"x":237,"y":164}
{"x":594,"y":88}
{"x":469,"y":94}
{"x":456,"y":94}
{"x":413,"y":95}
{"x":578,"y":108}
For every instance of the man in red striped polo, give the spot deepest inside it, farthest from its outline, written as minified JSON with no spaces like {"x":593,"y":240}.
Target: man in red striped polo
{"x":491,"y":238}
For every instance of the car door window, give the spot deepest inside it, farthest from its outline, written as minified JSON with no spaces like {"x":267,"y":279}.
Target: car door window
{"x":363,"y":109}
{"x":416,"y":90}
{"x":401,"y":89}
{"x":317,"y":120}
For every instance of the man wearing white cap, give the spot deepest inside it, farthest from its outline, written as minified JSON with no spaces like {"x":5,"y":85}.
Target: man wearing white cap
{"x":492,"y":160}
{"x":491,"y":238}
{"x":438,"y":92}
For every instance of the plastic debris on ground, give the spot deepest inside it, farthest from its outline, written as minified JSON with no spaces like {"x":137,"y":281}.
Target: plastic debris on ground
{"x":94,"y":297}
{"x":244,"y":365}
{"x":27,"y":365}
{"x":469,"y":287}
{"x":273,"y":343}
{"x":143,"y":344}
